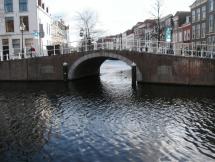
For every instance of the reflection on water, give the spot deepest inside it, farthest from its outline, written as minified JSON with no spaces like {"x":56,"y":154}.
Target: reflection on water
{"x":106,"y":120}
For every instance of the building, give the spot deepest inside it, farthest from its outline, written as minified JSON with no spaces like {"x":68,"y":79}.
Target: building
{"x":199,"y":22}
{"x":186,"y":31}
{"x":124,"y":40}
{"x":37,"y":32}
{"x":210,"y":28}
{"x":130,"y":40}
{"x":34,"y":16}
{"x":166,"y":27}
{"x":181,"y":31}
{"x":180,"y":20}
{"x":148,"y":29}
{"x":108,"y":42}
{"x":60,"y":35}
{"x":143,"y":34}
{"x":60,"y":32}
{"x":138,"y":35}
{"x":119,"y":42}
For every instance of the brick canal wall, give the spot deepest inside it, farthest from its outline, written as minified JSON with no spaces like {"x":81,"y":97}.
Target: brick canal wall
{"x":164,"y":69}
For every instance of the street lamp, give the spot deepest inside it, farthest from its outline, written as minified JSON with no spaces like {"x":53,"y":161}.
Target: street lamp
{"x":22,"y":29}
{"x":81,"y":32}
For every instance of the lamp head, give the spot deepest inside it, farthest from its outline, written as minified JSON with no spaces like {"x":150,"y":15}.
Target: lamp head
{"x":22,"y":25}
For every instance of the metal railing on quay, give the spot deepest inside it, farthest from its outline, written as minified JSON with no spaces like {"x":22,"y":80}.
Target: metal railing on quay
{"x":151,"y":47}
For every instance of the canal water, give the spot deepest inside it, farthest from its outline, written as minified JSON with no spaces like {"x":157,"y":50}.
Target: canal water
{"x":106,"y":120}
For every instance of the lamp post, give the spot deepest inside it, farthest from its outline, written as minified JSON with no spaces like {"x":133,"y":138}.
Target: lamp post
{"x":81,"y":35}
{"x":22,"y":29}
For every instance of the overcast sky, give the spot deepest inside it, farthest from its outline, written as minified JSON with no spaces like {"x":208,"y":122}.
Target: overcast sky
{"x":114,"y":16}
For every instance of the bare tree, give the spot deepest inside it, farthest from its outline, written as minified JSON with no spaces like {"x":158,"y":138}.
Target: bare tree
{"x":87,"y":21}
{"x":157,"y":15}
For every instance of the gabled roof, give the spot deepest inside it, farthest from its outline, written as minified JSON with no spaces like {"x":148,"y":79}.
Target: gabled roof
{"x":182,"y":13}
{"x":166,"y":17}
{"x":197,"y":3}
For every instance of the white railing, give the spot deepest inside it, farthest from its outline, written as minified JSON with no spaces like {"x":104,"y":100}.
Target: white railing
{"x":177,"y":49}
{"x":163,"y":48}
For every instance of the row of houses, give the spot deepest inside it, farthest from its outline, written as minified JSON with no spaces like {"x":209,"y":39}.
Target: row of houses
{"x":28,"y":23}
{"x":194,"y":29}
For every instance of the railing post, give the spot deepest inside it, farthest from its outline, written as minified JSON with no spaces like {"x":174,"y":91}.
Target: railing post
{"x":65,"y":71}
{"x":134,"y":74}
{"x":54,"y":50}
{"x":201,"y":53}
{"x":25,"y":54}
{"x":7,"y":56}
{"x":183,"y":51}
{"x":1,"y":56}
{"x":62,"y":49}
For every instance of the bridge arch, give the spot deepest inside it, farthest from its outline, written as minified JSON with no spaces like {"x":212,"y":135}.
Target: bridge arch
{"x":89,"y":65}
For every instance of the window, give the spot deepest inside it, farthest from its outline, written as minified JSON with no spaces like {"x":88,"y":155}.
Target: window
{"x":211,"y":19}
{"x":211,"y":41}
{"x":180,"y":36}
{"x":193,"y":16}
{"x":25,"y":21}
{"x":47,"y":29}
{"x":8,"y":5}
{"x":198,"y":14}
{"x":185,"y":35}
{"x":5,"y":42}
{"x":198,"y":31}
{"x":5,"y":47}
{"x":188,"y":35}
{"x":187,"y":19}
{"x":211,"y":5}
{"x":28,"y":43}
{"x":16,"y":43}
{"x":203,"y":30}
{"x":23,"y":5}
{"x":9,"y":24}
{"x":194,"y":32}
{"x":16,"y":46}
{"x":203,"y":12}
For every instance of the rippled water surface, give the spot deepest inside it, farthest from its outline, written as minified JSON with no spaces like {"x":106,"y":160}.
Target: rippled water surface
{"x":106,"y":120}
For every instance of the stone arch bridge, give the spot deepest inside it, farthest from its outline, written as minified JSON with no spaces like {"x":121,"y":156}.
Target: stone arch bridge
{"x":150,"y":68}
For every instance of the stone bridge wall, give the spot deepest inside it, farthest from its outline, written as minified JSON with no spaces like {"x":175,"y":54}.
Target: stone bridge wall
{"x":36,"y":69}
{"x":154,"y":68}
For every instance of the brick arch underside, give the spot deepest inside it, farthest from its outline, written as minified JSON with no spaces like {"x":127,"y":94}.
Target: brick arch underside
{"x":89,"y":65}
